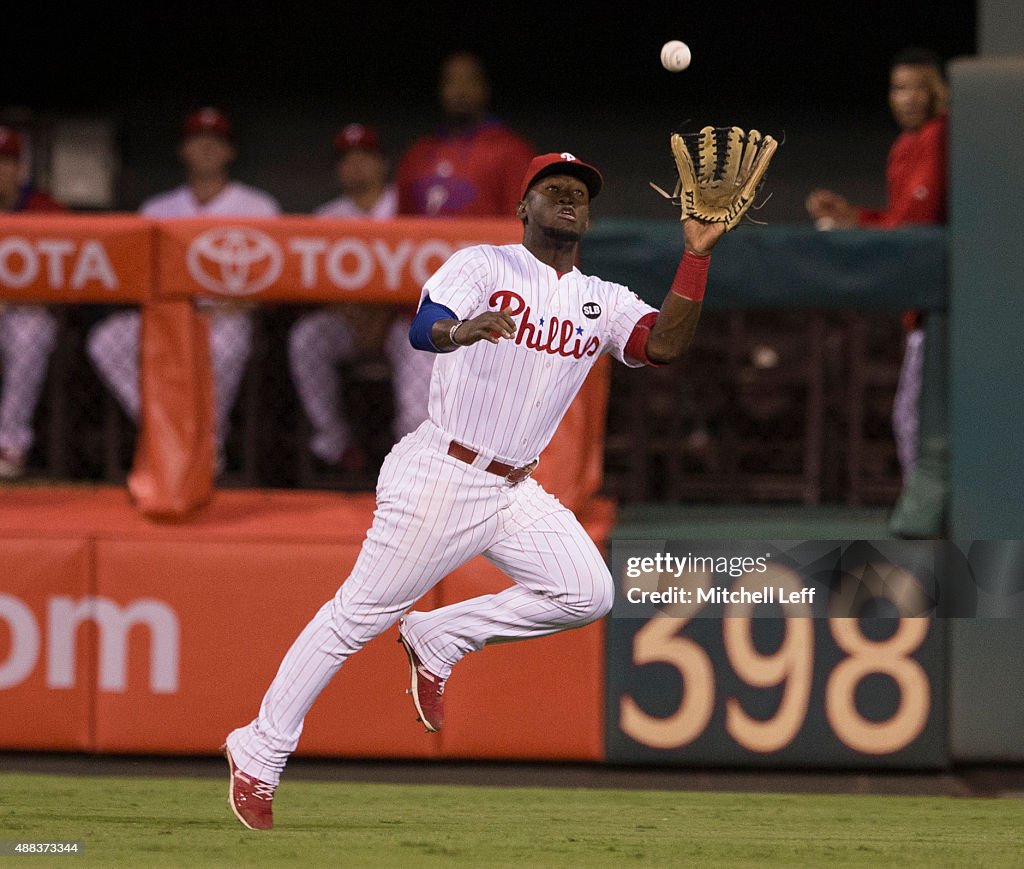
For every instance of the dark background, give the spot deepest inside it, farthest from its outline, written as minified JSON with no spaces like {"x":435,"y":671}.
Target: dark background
{"x":570,"y":76}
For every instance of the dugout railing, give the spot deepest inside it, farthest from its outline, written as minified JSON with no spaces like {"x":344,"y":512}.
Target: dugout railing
{"x":785,"y":395}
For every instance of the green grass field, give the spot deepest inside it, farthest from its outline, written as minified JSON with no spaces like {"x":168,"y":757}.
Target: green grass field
{"x":178,"y":822}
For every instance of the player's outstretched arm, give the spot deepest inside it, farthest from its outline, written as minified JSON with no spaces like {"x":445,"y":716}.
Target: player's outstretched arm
{"x":673,"y":331}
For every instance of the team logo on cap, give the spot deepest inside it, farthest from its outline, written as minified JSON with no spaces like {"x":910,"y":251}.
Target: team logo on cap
{"x":569,"y":158}
{"x":591,"y":310}
{"x":234,"y":260}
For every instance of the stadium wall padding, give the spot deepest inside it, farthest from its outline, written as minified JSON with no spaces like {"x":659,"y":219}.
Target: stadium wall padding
{"x":121,"y":636}
{"x":986,"y":701}
{"x":986,"y":288}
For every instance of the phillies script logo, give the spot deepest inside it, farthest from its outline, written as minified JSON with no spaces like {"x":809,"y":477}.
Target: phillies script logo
{"x":234,"y":260}
{"x":551,"y":335}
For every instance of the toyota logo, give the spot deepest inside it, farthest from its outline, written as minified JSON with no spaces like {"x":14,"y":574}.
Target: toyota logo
{"x":234,"y":260}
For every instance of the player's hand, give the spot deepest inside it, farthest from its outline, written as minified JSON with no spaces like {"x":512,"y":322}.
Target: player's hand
{"x":699,"y":237}
{"x":489,"y":326}
{"x":831,"y":207}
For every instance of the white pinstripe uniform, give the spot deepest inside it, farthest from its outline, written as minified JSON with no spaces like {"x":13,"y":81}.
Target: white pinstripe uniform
{"x":113,"y":344}
{"x":435,"y":512}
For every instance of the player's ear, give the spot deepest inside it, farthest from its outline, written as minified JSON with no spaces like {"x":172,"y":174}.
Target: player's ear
{"x":521,"y":210}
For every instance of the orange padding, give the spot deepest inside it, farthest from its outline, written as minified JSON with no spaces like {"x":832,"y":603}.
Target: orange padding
{"x":126,"y":259}
{"x":173,"y":472}
{"x":74,"y":258}
{"x":117,"y":635}
{"x":162,"y":264}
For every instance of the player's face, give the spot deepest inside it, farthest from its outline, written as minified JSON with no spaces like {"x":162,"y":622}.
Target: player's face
{"x":206,"y":154}
{"x":558,"y":205}
{"x":464,"y":89}
{"x":359,"y":170}
{"x":913,"y":95}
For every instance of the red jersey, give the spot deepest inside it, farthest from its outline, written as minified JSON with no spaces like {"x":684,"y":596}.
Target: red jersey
{"x":915,"y":179}
{"x":476,"y":173}
{"x":33,"y":200}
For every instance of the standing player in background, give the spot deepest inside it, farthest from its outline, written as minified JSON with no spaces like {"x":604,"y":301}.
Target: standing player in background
{"x":471,"y":166}
{"x":916,"y":186}
{"x":207,"y":151}
{"x":514,"y":330}
{"x":321,"y":340}
{"x":27,"y":332}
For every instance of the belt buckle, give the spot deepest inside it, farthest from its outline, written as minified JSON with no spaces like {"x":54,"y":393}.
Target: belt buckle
{"x":517,"y":475}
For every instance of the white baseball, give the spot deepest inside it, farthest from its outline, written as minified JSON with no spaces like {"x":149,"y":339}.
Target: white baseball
{"x":675,"y":55}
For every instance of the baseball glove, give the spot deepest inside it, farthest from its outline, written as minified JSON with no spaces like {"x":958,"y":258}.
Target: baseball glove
{"x":720,"y":172}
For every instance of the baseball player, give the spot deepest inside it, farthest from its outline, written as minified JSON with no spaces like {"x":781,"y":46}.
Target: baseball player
{"x":28,"y":333}
{"x":322,"y":339}
{"x":515,"y":329}
{"x":207,"y":151}
{"x":916,"y":194}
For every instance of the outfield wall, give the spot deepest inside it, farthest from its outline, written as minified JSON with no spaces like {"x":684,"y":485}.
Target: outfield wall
{"x":119,"y":635}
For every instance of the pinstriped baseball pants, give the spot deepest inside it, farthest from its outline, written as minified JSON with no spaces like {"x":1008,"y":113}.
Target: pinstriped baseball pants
{"x":28,"y":334}
{"x":906,"y":410}
{"x":433,"y":514}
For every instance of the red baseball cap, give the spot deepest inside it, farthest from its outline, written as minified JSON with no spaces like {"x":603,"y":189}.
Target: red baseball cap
{"x":562,"y":164}
{"x":356,"y":136}
{"x":207,"y":120}
{"x":10,"y":143}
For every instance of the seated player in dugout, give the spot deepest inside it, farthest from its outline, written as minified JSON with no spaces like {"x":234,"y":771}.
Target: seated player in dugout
{"x":322,"y":340}
{"x":28,"y":333}
{"x":206,"y":151}
{"x":514,"y":330}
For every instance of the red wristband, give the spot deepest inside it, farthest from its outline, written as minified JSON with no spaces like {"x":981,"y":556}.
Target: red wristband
{"x":692,"y":277}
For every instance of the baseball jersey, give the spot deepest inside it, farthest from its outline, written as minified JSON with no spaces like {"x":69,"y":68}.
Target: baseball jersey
{"x":508,"y":398}
{"x":344,"y":206}
{"x":915,"y":179}
{"x":474,"y":174}
{"x":33,"y":200}
{"x":367,"y":317}
{"x":235,"y":200}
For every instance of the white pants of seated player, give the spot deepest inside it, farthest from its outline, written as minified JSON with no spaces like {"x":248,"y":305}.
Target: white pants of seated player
{"x":906,"y":404}
{"x":113,"y":347}
{"x":434,"y":513}
{"x":322,"y":340}
{"x":27,"y":337}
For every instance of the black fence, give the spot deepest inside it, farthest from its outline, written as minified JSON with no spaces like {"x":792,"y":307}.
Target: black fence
{"x":768,"y":406}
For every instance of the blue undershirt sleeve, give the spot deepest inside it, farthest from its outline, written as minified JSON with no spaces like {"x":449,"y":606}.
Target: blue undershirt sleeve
{"x":422,"y":324}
